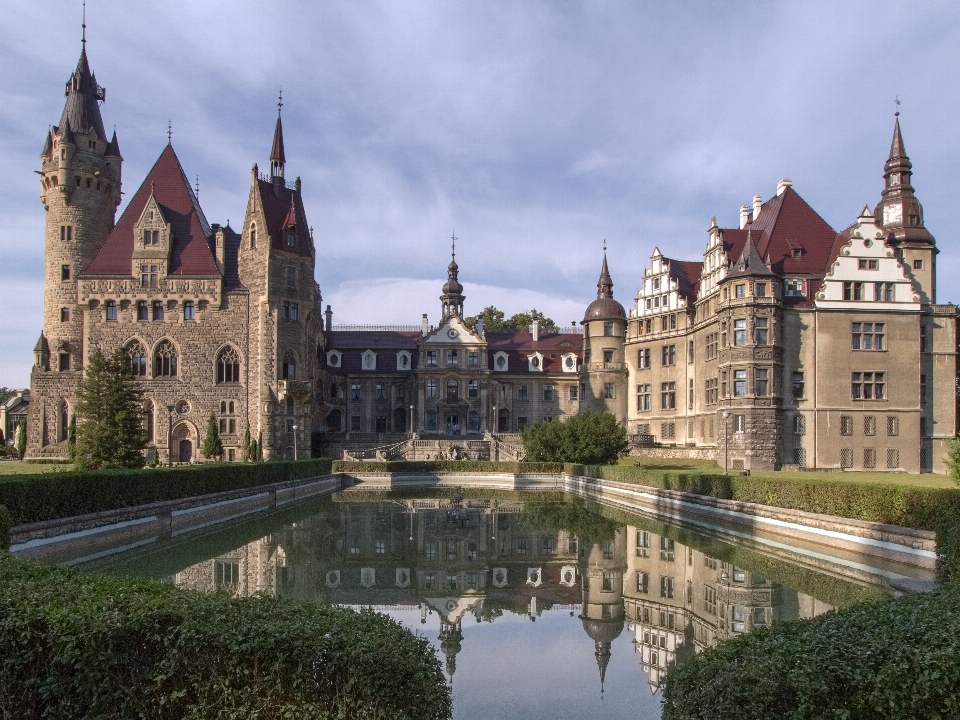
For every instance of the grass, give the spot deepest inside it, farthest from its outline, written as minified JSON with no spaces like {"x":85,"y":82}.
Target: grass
{"x":673,"y":465}
{"x":15,"y":467}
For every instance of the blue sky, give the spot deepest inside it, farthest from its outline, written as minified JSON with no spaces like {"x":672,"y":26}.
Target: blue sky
{"x":534,"y":130}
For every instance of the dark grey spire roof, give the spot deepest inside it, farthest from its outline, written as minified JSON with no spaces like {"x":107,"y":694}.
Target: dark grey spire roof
{"x":84,"y":95}
{"x":750,"y":263}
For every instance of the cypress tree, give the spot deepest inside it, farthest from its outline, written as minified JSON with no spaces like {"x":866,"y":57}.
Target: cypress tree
{"x":246,"y":444}
{"x":212,"y":444}
{"x":260,"y":446}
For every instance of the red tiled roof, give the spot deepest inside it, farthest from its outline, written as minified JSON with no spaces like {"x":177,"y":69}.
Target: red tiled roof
{"x":386,"y":343}
{"x":285,"y":211}
{"x":687,"y":274}
{"x":191,"y":254}
{"x":519,"y":345}
{"x":787,"y":222}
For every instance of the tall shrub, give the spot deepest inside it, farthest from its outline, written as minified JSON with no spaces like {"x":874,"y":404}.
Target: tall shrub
{"x":593,"y":438}
{"x":212,"y":444}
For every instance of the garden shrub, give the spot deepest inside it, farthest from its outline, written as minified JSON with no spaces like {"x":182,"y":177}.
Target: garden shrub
{"x":6,"y":522}
{"x":446,"y":466}
{"x":31,"y":498}
{"x":948,"y":549}
{"x":886,"y":659}
{"x":79,"y":645}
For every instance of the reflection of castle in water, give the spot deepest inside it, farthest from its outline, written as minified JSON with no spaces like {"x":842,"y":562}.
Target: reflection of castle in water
{"x":476,"y":557}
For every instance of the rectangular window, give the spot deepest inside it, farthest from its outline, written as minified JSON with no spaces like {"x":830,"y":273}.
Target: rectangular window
{"x":853,"y":291}
{"x":157,"y":310}
{"x":643,"y":583}
{"x":740,"y":290}
{"x":690,"y":395}
{"x":761,"y":289}
{"x":798,"y":385}
{"x":869,"y":425}
{"x":607,"y":356}
{"x":793,"y":287}
{"x":668,"y":355}
{"x":668,"y":395}
{"x":666,"y":586}
{"x":760,"y":331}
{"x":740,"y":331}
{"x":643,"y":397}
{"x":522,"y":392}
{"x":712,"y":342}
{"x":668,"y":431}
{"x":111,"y":311}
{"x":291,"y":277}
{"x":294,"y":311}
{"x":663,"y":322}
{"x":690,"y":351}
{"x":883,"y":292}
{"x":739,"y":424}
{"x":869,"y":458}
{"x":453,"y":357}
{"x":893,"y":425}
{"x":608,"y":329}
{"x":711,"y":391}
{"x":63,"y":362}
{"x":381,"y":392}
{"x":64,"y":315}
{"x":285,"y":310}
{"x":923,"y":338}
{"x":918,"y":264}
{"x":66,"y":233}
{"x":548,"y":394}
{"x":521,"y":546}
{"x":188,"y":311}
{"x":608,"y":391}
{"x":430,"y":420}
{"x":667,"y":549}
{"x":868,"y":264}
{"x":868,"y":336}
{"x":846,"y":425}
{"x":709,"y":600}
{"x":643,"y":358}
{"x":64,"y":272}
{"x":143,"y":312}
{"x":573,"y":392}
{"x":799,"y":425}
{"x":761,"y":381}
{"x":354,"y":392}
{"x":432,"y":358}
{"x":893,"y":458}
{"x":521,"y":424}
{"x":473,"y":358}
{"x":868,"y":385}
{"x":739,"y":383}
{"x":923,"y":388}
{"x":355,"y":423}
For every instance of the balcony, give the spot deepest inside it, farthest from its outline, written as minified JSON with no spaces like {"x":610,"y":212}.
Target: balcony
{"x":293,"y":387}
{"x":598,"y":366}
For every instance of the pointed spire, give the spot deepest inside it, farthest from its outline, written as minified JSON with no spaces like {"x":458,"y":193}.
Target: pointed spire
{"x":604,"y":307}
{"x":899,"y":210}
{"x":897,"y":150}
{"x":47,"y":145}
{"x":277,"y":157}
{"x":602,"y":654}
{"x":113,"y":149}
{"x":66,"y":134}
{"x":749,"y":262}
{"x":605,"y":283}
{"x":84,"y":96}
{"x":451,"y":301}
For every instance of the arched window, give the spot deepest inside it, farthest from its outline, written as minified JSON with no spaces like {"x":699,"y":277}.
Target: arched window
{"x":230,"y":407}
{"x":138,"y":358}
{"x":223,"y":407}
{"x":148,"y":420}
{"x":228,"y":365}
{"x":165,"y":360}
{"x":453,"y":391}
{"x":64,"y":421}
{"x":253,"y":236}
{"x":288,"y":370}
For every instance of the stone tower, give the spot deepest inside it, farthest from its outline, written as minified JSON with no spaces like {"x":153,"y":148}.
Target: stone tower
{"x":604,"y":375}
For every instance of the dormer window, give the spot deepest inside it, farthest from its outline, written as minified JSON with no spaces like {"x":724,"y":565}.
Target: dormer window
{"x":796,"y":252}
{"x":151,"y":237}
{"x":291,"y":240}
{"x":333,"y":358}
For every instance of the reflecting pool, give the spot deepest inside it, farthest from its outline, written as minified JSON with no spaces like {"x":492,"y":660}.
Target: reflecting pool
{"x":536,"y":610}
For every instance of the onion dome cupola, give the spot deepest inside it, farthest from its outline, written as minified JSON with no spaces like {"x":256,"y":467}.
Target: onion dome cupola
{"x":604,"y":307}
{"x":899,"y":210}
{"x":451,"y":301}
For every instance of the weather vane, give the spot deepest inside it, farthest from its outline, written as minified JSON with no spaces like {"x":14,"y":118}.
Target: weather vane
{"x":896,"y":103}
{"x":453,"y":237}
{"x":84,"y":26}
{"x":197,"y":188}
{"x":280,"y":101}
{"x":169,"y":131}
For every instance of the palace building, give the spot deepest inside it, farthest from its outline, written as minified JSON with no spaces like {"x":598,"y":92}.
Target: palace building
{"x":789,"y":344}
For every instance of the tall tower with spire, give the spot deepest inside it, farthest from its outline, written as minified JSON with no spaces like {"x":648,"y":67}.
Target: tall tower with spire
{"x":603,"y":376}
{"x":451,"y":302}
{"x":80,"y":191}
{"x":901,"y":215}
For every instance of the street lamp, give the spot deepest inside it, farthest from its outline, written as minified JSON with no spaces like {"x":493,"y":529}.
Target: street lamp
{"x":726,"y":439}
{"x":495,"y":427}
{"x":170,"y":407}
{"x":412,"y":431}
{"x":295,"y":428}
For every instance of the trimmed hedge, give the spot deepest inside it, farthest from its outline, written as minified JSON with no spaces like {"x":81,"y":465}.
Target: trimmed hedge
{"x":920,"y":508}
{"x":78,"y":645}
{"x":31,"y":498}
{"x":887,"y":659}
{"x":948,"y":549}
{"x":446,"y":466}
{"x":6,"y":522}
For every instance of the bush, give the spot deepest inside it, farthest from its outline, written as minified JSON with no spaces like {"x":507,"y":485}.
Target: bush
{"x":920,"y":508}
{"x":589,"y":438}
{"x":887,"y":659}
{"x":948,"y":549}
{"x":78,"y":645}
{"x":6,"y":522}
{"x":446,"y":466}
{"x":32,"y":498}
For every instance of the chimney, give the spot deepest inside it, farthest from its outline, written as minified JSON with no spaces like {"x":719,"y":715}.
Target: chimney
{"x":783,"y":185}
{"x":221,"y":248}
{"x":480,"y":327}
{"x":535,"y":329}
{"x":757,"y":203}
{"x":329,"y":319}
{"x":425,"y":328}
{"x":744,"y":216}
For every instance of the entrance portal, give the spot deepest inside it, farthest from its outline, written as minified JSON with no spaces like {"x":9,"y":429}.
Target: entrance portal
{"x":186,"y":451}
{"x":453,"y":424}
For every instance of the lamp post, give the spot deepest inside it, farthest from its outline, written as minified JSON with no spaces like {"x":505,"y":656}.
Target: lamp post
{"x":412,"y":431}
{"x":495,"y":427}
{"x":726,"y":439}
{"x":170,"y":407}
{"x":295,"y":428}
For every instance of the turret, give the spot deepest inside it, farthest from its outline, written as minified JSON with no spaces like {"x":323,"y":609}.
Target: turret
{"x":451,"y":301}
{"x":604,"y":374}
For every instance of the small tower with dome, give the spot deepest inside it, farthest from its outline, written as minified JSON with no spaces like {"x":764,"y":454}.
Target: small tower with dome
{"x":603,"y":377}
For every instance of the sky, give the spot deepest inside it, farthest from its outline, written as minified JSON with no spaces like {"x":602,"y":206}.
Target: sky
{"x":535,"y":131}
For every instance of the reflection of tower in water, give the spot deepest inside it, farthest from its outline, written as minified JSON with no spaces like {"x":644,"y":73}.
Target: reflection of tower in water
{"x":450,"y":638}
{"x":601,"y":568}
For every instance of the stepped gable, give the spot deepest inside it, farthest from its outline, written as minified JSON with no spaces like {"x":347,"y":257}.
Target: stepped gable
{"x":283,"y":210}
{"x":231,"y":265}
{"x":386,"y":343}
{"x":519,"y":345}
{"x":191,"y":254}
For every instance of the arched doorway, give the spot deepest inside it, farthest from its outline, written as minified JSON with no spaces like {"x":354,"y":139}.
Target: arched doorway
{"x":186,"y":451}
{"x":183,"y":443}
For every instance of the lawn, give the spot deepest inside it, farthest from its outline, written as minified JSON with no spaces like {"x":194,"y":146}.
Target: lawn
{"x":13,"y":467}
{"x":927,"y":480}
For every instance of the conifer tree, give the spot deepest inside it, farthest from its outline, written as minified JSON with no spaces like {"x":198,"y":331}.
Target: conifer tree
{"x":72,"y":439}
{"x":20,"y":439}
{"x":260,"y":446}
{"x":212,"y":444}
{"x":109,"y":411}
{"x":246,"y":444}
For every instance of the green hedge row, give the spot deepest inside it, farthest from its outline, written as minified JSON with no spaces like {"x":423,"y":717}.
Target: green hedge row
{"x":78,"y":645}
{"x":32,"y":498}
{"x":921,"y":508}
{"x":886,"y":659}
{"x":6,"y":522}
{"x":948,"y":549}
{"x":428,"y":466}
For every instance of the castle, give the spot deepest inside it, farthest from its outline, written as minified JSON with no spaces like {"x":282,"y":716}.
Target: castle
{"x":789,"y":344}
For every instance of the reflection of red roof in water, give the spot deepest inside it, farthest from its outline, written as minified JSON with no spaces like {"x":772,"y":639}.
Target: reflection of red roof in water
{"x":191,"y":255}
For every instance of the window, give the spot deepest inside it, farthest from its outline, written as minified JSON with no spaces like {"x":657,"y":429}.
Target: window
{"x":453,"y":389}
{"x":918,"y":264}
{"x":869,"y":425}
{"x":522,"y":392}
{"x":608,"y":329}
{"x":643,"y":358}
{"x":798,"y":385}
{"x":740,"y":290}
{"x":740,"y":331}
{"x":739,"y":383}
{"x":473,"y":390}
{"x":521,"y":546}
{"x":473,"y":358}
{"x":883,"y":292}
{"x":853,"y":291}
{"x":607,"y":356}
{"x":138,"y":359}
{"x":739,"y":424}
{"x":760,"y":331}
{"x":355,"y":423}
{"x":354,"y":392}
{"x":430,"y":420}
{"x":668,"y":355}
{"x":291,"y":277}
{"x":668,"y":395}
{"x":673,"y":321}
{"x":868,"y":336}
{"x":868,"y":264}
{"x":157,"y":310}
{"x":923,"y":338}
{"x":893,"y":425}
{"x":291,"y":240}
{"x":712,"y":340}
{"x":643,"y":543}
{"x":143,"y":312}
{"x":710,"y":599}
{"x":253,"y":236}
{"x":381,"y":392}
{"x":867,"y":385}
{"x":923,"y":388}
{"x":846,"y":425}
{"x":761,"y":380}
{"x":893,"y":458}
{"x":66,"y":233}
{"x":643,"y":583}
{"x":148,"y":275}
{"x":111,"y":311}
{"x":288,"y":368}
{"x":846,"y":457}
{"x":793,"y":287}
{"x":643,"y":397}
{"x":666,"y":586}
{"x":667,"y":549}
{"x":64,"y":315}
{"x":608,"y":390}
{"x":63,"y":362}
{"x":453,"y":357}
{"x":663,"y":323}
{"x":711,"y":391}
{"x":869,"y":458}
{"x":432,"y":358}
{"x":228,"y":366}
{"x":431,"y":388}
{"x":668,"y":431}
{"x":548,"y":393}
{"x":165,"y":360}
{"x":761,"y":290}
{"x":473,"y":421}
{"x":690,"y":352}
{"x":573,"y":392}
{"x":521,"y":424}
{"x":188,"y":311}
{"x":151,"y":237}
{"x":690,"y":395}
{"x":148,"y":420}
{"x":64,"y":272}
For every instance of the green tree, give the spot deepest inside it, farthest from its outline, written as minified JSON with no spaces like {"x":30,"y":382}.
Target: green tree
{"x":212,"y":444}
{"x":521,"y":322}
{"x":593,"y":438}
{"x":72,"y":439}
{"x":260,"y":446}
{"x":246,"y":444}
{"x":494,"y":320}
{"x":109,"y":412}
{"x":20,"y":439}
{"x":953,"y":459}
{"x":6,"y":393}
